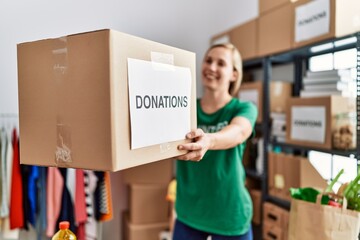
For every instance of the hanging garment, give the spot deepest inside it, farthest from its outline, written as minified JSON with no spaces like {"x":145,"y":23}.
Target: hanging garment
{"x":6,"y":232}
{"x":67,"y":207}
{"x":90,"y":185}
{"x":32,"y":193}
{"x":16,"y":208}
{"x":4,"y":191}
{"x":55,"y":184}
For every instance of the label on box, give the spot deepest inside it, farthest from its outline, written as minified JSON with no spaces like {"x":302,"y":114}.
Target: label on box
{"x":279,"y":181}
{"x":250,"y":95}
{"x":308,"y":123}
{"x":312,"y":20}
{"x":159,"y":102}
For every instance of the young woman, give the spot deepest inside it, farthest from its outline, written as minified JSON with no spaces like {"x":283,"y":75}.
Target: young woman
{"x":211,"y":196}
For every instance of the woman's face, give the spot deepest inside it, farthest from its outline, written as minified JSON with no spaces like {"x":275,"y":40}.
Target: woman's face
{"x":217,"y":69}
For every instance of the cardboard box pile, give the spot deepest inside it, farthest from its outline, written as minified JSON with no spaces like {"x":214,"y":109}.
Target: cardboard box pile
{"x":149,"y":211}
{"x":74,"y":100}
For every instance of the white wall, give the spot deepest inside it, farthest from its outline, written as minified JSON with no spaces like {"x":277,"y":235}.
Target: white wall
{"x":185,"y":24}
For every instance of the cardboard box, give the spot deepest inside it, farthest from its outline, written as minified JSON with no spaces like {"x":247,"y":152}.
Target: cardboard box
{"x":279,"y":93}
{"x":271,"y":232}
{"x":257,"y":204}
{"x":144,"y":231}
{"x":147,"y":203}
{"x":161,"y":172}
{"x":276,"y":30}
{"x":74,"y":100}
{"x":310,"y":120}
{"x":266,"y":5}
{"x":301,"y":173}
{"x":244,"y":37}
{"x":315,"y":21}
{"x":272,"y":214}
{"x":288,"y":171}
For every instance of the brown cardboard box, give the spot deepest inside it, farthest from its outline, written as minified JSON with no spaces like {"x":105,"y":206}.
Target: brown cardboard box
{"x":285,"y":227}
{"x":256,"y":199}
{"x":147,"y":203}
{"x":279,"y":93}
{"x":288,"y":171}
{"x":320,"y":132}
{"x":74,"y":101}
{"x":301,"y":173}
{"x":272,"y":214}
{"x":344,"y":20}
{"x":253,"y":92}
{"x":161,"y":172}
{"x":143,"y":231}
{"x":244,"y":37}
{"x":266,"y":5}
{"x":276,"y":30}
{"x":271,"y":232}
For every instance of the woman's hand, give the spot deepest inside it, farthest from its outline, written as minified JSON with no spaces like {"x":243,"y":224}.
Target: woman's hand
{"x":197,"y":148}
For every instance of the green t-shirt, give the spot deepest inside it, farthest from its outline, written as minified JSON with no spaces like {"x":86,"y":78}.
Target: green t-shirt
{"x":211,"y":194}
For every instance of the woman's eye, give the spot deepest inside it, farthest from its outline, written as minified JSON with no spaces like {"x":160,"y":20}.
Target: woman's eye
{"x":209,"y":61}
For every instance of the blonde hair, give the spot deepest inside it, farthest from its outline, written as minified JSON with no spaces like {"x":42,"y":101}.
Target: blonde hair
{"x":237,"y":63}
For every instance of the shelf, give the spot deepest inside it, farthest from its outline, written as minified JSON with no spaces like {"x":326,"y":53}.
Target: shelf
{"x":280,"y":202}
{"x":254,"y":174}
{"x":330,"y":151}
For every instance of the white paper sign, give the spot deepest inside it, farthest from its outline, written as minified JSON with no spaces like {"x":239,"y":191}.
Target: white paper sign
{"x":308,"y":123}
{"x":312,"y":20}
{"x":160,"y":99}
{"x":250,"y":96}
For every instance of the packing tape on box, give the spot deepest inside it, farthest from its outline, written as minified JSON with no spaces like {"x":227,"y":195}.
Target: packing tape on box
{"x":63,"y":154}
{"x":162,"y":61}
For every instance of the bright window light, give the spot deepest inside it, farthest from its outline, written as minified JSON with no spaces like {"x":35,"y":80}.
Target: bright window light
{"x":348,"y":164}
{"x":321,"y":162}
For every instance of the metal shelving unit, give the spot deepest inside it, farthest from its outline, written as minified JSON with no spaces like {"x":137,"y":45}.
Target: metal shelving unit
{"x":299,"y":58}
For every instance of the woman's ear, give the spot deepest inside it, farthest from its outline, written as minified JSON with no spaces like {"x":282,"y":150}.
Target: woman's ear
{"x":235,"y":76}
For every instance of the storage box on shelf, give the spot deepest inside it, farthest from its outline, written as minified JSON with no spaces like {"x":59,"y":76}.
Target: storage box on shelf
{"x":243,"y":36}
{"x":287,"y":171}
{"x":275,"y":30}
{"x":74,"y":105}
{"x":150,"y":231}
{"x":280,"y":92}
{"x":266,"y":5}
{"x":324,"y":19}
{"x":147,"y":203}
{"x":256,"y":198}
{"x":311,"y":121}
{"x":275,"y":220}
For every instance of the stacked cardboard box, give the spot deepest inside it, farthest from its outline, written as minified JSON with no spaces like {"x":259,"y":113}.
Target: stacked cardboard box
{"x":148,"y":213}
{"x":275,"y":221}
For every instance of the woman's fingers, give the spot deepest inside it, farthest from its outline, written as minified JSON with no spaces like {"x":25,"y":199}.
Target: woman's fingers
{"x":195,"y":134}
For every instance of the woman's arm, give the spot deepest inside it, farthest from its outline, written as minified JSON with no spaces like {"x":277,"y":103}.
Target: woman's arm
{"x":230,"y":136}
